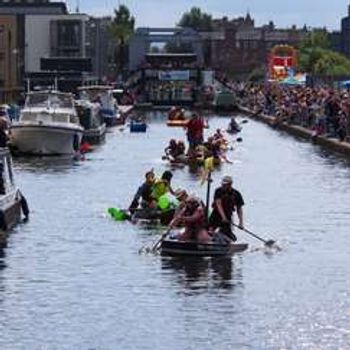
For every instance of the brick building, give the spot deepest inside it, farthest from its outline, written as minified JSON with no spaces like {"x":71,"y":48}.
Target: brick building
{"x":245,"y":47}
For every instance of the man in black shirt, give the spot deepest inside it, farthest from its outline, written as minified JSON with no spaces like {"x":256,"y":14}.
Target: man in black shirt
{"x":226,"y":201}
{"x":144,"y":193}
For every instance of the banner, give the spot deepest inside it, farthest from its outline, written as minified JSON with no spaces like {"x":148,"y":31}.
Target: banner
{"x":174,"y":75}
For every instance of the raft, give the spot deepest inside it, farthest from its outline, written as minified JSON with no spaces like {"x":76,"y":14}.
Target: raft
{"x":177,"y":123}
{"x":138,"y":126}
{"x":171,"y":247}
{"x":191,"y":161}
{"x":233,"y":131}
{"x":156,"y":216}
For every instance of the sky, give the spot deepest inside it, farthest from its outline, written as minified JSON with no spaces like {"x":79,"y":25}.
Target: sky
{"x":165,"y":13}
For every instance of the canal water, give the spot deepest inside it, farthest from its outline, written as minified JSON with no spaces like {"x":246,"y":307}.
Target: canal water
{"x":72,"y":278}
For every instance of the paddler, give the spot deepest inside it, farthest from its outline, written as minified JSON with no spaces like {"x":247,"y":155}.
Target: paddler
{"x":227,"y":200}
{"x":144,"y":193}
{"x":171,"y":150}
{"x":195,"y":131}
{"x":192,"y":216}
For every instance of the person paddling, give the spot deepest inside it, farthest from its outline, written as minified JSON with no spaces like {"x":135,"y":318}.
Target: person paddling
{"x":227,"y":200}
{"x":144,"y":193}
{"x":193,"y":218}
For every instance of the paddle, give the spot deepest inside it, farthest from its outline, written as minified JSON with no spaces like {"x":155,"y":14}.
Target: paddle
{"x":268,"y":243}
{"x":161,"y":239}
{"x":165,"y":234}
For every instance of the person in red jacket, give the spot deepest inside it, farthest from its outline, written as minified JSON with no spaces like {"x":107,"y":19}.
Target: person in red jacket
{"x":195,"y":131}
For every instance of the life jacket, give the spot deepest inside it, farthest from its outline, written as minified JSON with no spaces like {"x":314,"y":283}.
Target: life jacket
{"x":160,"y":187}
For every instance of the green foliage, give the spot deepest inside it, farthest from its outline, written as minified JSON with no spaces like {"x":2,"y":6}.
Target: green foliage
{"x":121,"y":29}
{"x":123,"y":24}
{"x":257,"y":74}
{"x":318,"y":38}
{"x":197,"y":20}
{"x":316,"y":58}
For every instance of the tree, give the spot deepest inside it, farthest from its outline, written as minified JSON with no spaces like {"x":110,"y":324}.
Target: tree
{"x":196,"y":19}
{"x":121,"y":29}
{"x":316,"y":57}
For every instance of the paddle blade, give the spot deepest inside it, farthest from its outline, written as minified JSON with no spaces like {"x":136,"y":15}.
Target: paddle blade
{"x":270,"y":243}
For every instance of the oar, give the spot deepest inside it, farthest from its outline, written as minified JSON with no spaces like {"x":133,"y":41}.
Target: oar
{"x":165,"y":234}
{"x":161,"y":239}
{"x":268,"y":243}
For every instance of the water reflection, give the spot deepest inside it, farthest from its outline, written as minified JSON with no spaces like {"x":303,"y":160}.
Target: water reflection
{"x":199,"y":273}
{"x":52,"y":164}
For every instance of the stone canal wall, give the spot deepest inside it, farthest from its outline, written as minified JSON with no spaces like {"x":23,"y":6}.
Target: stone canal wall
{"x":331,"y":143}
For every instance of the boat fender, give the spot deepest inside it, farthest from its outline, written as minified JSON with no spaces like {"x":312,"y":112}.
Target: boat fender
{"x":76,"y":142}
{"x":3,"y":225}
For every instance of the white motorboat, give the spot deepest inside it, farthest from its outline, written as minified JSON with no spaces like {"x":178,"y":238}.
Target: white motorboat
{"x":103,"y":95}
{"x":48,"y":125}
{"x":12,"y":202}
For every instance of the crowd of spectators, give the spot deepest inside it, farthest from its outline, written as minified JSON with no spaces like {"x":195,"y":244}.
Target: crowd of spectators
{"x":324,"y":110}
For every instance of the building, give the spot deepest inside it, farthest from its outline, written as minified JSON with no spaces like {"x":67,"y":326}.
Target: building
{"x":244,"y":48}
{"x":12,"y":41}
{"x":140,"y":43}
{"x":56,"y":47}
{"x":101,"y":48}
{"x":345,"y":34}
{"x":10,"y":60}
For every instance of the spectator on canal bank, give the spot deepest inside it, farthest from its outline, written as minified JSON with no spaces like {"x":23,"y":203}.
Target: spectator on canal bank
{"x":324,"y":110}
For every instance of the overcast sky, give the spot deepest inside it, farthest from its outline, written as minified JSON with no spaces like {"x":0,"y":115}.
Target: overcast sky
{"x":152,"y":13}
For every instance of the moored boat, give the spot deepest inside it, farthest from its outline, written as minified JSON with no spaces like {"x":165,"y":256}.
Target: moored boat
{"x":172,"y":247}
{"x":90,"y":118}
{"x":103,"y":94}
{"x":48,"y":125}
{"x":12,"y":202}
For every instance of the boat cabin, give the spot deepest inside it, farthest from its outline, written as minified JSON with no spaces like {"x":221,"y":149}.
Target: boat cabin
{"x":49,"y":107}
{"x":102,"y":94}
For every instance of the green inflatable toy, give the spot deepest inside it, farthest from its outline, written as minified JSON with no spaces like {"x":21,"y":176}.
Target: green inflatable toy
{"x":117,"y":214}
{"x":164,"y":203}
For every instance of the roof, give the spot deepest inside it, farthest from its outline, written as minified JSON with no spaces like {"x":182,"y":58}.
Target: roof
{"x":95,"y":87}
{"x":20,"y":8}
{"x":171,"y":55}
{"x":52,"y":92}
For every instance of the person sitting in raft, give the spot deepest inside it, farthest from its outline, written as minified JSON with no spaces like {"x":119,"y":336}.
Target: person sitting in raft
{"x":181,"y":148}
{"x":218,"y":135}
{"x":192,"y":216}
{"x":171,"y":150}
{"x":144,"y":193}
{"x":162,"y":186}
{"x":233,"y":127}
{"x":227,"y":200}
{"x":172,"y":113}
{"x":176,"y":113}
